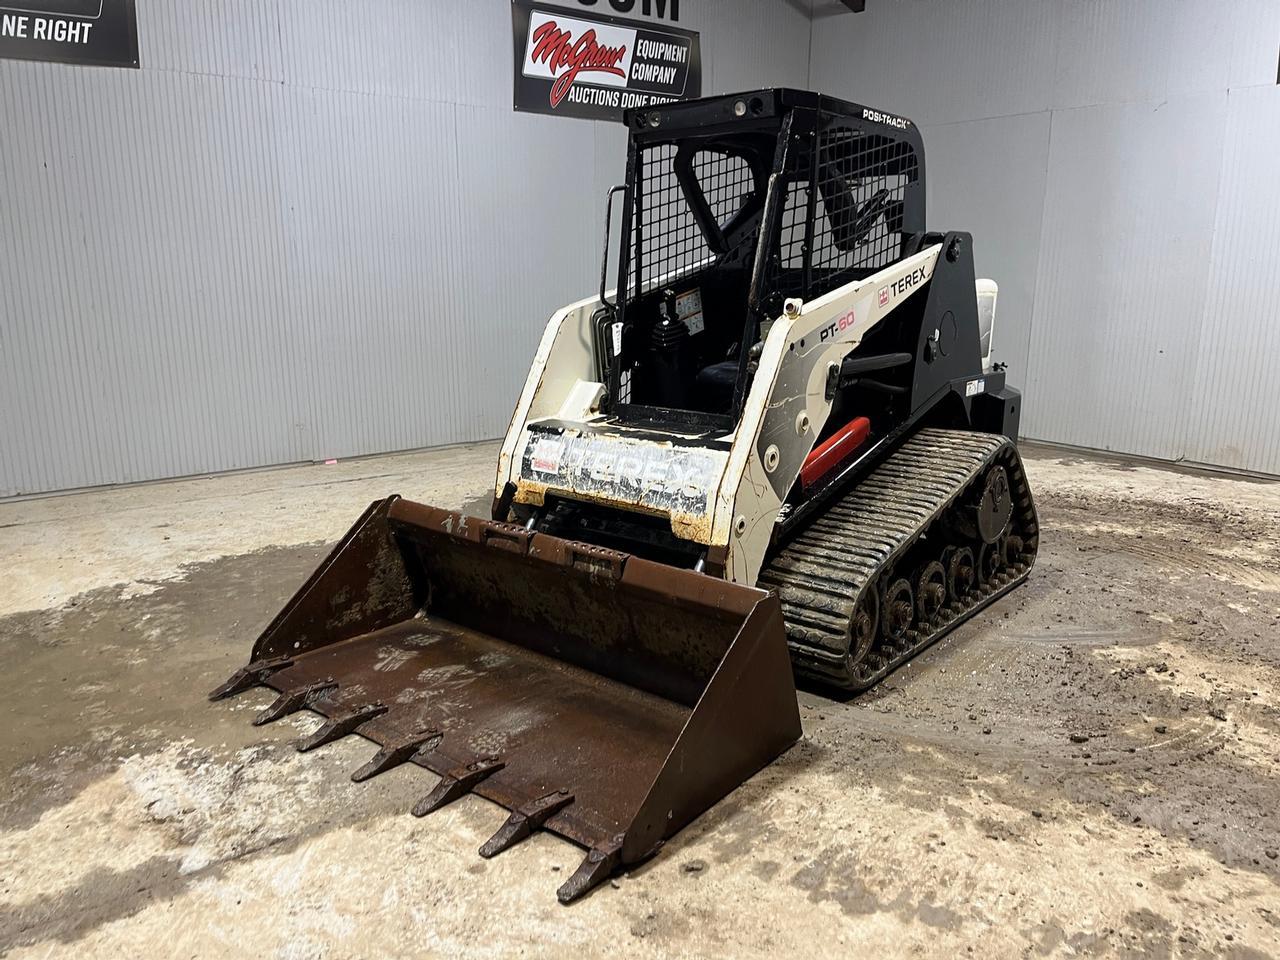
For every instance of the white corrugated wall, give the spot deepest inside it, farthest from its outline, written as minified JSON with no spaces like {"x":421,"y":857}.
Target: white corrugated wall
{"x":315,"y":228}
{"x":1116,"y":162}
{"x":304,"y":229}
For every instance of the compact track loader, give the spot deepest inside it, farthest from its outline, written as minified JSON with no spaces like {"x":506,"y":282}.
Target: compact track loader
{"x":778,"y":443}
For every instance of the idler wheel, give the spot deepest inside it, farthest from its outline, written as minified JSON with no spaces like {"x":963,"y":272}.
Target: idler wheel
{"x":931,"y":591}
{"x":1013,"y":547}
{"x":899,"y":610}
{"x":961,"y":574}
{"x":990,"y":561}
{"x":866,"y":620}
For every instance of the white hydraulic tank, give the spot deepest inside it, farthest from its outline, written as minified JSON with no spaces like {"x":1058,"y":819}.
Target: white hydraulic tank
{"x":987,"y":293}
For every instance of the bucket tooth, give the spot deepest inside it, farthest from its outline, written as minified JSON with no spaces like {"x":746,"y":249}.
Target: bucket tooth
{"x":592,"y":872}
{"x":339,"y":726}
{"x":524,"y":821}
{"x":253,"y":675}
{"x":455,"y":783}
{"x":394,"y":753}
{"x":291,"y":701}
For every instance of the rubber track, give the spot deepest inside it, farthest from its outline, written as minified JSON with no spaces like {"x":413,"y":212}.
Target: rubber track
{"x":820,"y":575}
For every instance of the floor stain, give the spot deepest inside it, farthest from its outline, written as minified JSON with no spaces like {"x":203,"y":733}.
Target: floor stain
{"x":1087,"y":768}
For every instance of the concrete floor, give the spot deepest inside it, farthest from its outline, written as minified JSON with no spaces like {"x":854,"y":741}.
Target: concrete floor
{"x":1087,"y":768}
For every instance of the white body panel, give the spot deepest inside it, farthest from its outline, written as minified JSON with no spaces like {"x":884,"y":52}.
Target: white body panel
{"x":788,"y":408}
{"x":721,"y":495}
{"x":988,"y":293}
{"x":563,"y":358}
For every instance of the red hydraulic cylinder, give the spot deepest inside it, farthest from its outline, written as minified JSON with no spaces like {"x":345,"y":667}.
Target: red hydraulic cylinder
{"x":834,"y":450}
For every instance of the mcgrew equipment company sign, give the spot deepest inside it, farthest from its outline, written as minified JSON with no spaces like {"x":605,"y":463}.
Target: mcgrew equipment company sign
{"x":593,"y":66}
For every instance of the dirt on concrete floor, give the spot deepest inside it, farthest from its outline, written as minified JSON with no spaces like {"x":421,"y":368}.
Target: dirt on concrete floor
{"x":1087,"y":768}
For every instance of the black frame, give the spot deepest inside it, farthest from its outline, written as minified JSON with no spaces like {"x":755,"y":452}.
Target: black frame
{"x":797,"y":120}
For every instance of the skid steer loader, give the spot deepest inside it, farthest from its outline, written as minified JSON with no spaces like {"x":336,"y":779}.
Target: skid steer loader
{"x":778,"y":443}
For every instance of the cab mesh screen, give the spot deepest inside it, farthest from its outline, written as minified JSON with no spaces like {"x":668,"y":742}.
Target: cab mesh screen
{"x":666,"y":238}
{"x":861,"y":182}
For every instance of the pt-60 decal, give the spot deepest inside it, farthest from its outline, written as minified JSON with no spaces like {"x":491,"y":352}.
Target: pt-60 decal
{"x":842,"y":322}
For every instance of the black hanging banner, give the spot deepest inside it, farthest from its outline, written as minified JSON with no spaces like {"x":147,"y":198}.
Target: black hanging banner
{"x":593,"y":66}
{"x":95,"y":32}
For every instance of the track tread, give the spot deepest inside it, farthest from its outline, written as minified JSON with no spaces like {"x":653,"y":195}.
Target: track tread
{"x":820,"y":575}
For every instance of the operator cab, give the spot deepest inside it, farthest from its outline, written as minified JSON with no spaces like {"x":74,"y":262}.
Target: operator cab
{"x":722,"y":223}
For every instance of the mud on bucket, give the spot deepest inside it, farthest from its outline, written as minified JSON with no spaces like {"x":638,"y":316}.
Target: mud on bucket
{"x":603,"y":697}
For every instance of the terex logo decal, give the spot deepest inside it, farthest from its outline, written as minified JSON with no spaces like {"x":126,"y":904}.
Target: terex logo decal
{"x":554,"y":52}
{"x":900,"y":286}
{"x":883,"y":295}
{"x":625,"y":471}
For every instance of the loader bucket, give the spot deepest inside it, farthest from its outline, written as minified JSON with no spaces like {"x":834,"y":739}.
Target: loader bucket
{"x":603,"y":697}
